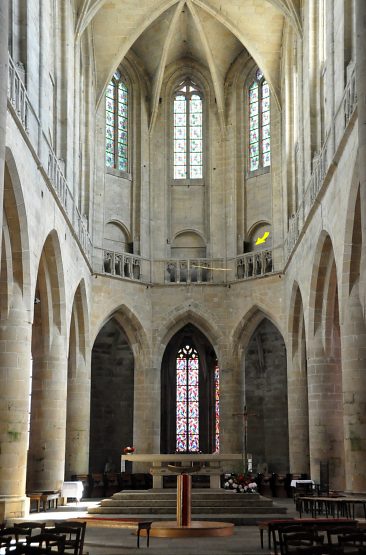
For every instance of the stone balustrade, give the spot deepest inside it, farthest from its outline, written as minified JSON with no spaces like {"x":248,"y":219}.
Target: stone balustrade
{"x":27,"y":119}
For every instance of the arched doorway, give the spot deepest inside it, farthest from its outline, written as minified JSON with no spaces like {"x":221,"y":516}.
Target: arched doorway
{"x":112,"y":391}
{"x":266,"y":399}
{"x":189,"y":395}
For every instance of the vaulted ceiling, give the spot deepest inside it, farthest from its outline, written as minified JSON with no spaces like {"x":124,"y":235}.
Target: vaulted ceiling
{"x":212,"y":32}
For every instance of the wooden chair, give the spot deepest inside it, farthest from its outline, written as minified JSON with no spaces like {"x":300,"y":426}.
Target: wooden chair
{"x":74,"y":525}
{"x":335,"y":531}
{"x":297,"y":540}
{"x":54,"y":542}
{"x":352,"y":542}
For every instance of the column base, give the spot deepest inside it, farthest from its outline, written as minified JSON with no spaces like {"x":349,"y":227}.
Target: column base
{"x":13,"y":506}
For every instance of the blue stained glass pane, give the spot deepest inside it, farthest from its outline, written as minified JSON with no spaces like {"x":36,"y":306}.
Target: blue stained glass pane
{"x":181,"y":409}
{"x":181,"y":426}
{"x":181,"y":443}
{"x":110,"y":145}
{"x":196,"y":172}
{"x":267,"y":159}
{"x":193,"y":376}
{"x":193,"y":393}
{"x":254,"y":163}
{"x":265,"y":90}
{"x":193,"y":444}
{"x":180,"y":172}
{"x":253,"y":122}
{"x":193,"y":410}
{"x":181,"y":393}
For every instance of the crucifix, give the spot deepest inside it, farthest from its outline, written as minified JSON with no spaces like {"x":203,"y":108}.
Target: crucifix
{"x":245,"y":415}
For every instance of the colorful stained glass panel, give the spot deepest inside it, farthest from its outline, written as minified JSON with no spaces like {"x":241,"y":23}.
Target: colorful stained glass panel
{"x":193,"y":445}
{"x":196,"y":172}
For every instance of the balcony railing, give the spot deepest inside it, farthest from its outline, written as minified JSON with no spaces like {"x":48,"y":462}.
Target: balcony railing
{"x":322,"y":161}
{"x":27,"y":118}
{"x":187,"y":271}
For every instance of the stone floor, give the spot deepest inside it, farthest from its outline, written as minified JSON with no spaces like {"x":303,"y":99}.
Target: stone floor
{"x":121,"y":541}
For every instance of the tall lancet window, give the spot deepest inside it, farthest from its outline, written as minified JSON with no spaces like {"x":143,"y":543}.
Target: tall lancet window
{"x":259,"y":123}
{"x":116,"y":114}
{"x":188,"y":134}
{"x":187,"y":404}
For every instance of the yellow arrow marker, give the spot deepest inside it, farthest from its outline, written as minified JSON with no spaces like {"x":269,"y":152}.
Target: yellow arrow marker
{"x":262,"y":239}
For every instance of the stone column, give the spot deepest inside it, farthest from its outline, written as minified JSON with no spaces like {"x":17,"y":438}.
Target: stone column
{"x":325,"y":415}
{"x":48,"y":418}
{"x":298,"y":413}
{"x":78,"y":418}
{"x":360,"y":18}
{"x":4,"y":62}
{"x":231,"y":409}
{"x":15,"y":360}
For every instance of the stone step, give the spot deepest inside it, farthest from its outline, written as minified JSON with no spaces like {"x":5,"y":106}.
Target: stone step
{"x":232,"y":502}
{"x":227,"y":496}
{"x":132,"y":510}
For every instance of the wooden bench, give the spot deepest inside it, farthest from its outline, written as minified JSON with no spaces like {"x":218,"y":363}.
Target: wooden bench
{"x":37,"y":497}
{"x":50,"y":499}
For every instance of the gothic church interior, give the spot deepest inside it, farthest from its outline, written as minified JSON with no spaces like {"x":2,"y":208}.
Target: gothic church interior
{"x":183,"y":189}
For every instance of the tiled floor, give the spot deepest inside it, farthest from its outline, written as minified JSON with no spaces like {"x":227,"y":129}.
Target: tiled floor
{"x":121,"y":541}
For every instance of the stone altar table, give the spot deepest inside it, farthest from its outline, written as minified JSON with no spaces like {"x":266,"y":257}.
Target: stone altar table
{"x":211,"y":464}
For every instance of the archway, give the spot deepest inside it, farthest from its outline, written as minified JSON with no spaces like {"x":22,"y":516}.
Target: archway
{"x":112,"y":394}
{"x":189,"y":376}
{"x":266,"y":399}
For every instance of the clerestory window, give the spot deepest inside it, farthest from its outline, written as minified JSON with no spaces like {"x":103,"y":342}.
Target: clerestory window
{"x":259,"y":150}
{"x":117,"y":116}
{"x":188,"y":131}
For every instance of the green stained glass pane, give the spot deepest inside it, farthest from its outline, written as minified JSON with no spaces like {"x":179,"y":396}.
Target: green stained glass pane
{"x":196,"y":146}
{"x":179,"y":172}
{"x":266,"y":159}
{"x":109,"y":132}
{"x":254,"y":163}
{"x":109,"y":118}
{"x":253,"y":136}
{"x":109,"y":159}
{"x":180,"y":145}
{"x":109,"y":145}
{"x":253,"y":109}
{"x":180,"y":97}
{"x":180,"y":133}
{"x":122,"y":110}
{"x":265,"y":132}
{"x":122,"y":123}
{"x":253,"y":86}
{"x":122,"y":136}
{"x":253,"y":122}
{"x":195,"y":119}
{"x":196,"y":172}
{"x":122,"y":164}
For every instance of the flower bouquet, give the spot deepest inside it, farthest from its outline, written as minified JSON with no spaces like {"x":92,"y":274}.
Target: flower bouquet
{"x":240,"y":483}
{"x":128,"y":450}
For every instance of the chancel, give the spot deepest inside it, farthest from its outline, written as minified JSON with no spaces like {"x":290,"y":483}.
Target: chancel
{"x":183,"y":192}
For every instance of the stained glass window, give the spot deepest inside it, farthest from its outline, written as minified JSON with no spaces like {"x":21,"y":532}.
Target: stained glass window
{"x":259,"y":123}
{"x":187,"y":134}
{"x":117,"y":123}
{"x":217,"y":408}
{"x":187,"y":404}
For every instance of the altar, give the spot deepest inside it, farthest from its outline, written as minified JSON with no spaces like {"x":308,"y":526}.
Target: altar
{"x":198,"y":463}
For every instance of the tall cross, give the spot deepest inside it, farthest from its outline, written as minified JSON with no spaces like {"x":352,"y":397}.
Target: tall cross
{"x":245,"y":416}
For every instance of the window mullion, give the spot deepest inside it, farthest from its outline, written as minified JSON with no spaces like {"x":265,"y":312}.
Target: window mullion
{"x":116,"y":110}
{"x":188,"y":141}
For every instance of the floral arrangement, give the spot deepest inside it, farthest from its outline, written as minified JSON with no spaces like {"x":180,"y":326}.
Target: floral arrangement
{"x":240,"y":483}
{"x":129,"y":450}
